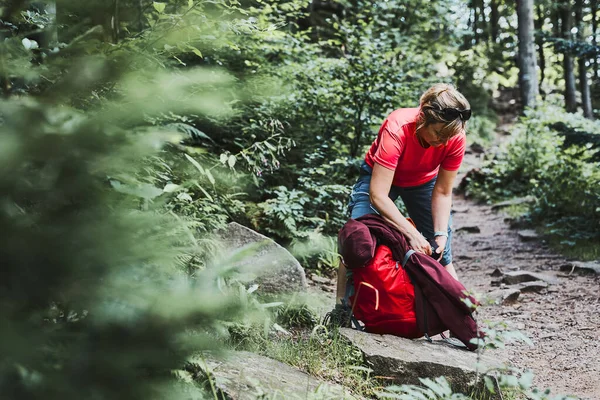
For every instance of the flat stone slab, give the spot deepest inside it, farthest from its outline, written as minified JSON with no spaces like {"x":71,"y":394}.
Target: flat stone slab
{"x":248,"y":376}
{"x":469,"y":229}
{"x":528,"y":235}
{"x":502,"y":296}
{"x":589,"y":267}
{"x":514,"y":277}
{"x":404,"y":361}
{"x":274,"y":268}
{"x":533,"y":286}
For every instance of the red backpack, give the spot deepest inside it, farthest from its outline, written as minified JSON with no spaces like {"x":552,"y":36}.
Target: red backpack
{"x":384,"y":297}
{"x":411,"y":298}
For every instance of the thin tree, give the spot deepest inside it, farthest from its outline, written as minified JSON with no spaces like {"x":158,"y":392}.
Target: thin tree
{"x":475,"y":6}
{"x":528,"y":82}
{"x":584,"y":87}
{"x":594,"y":11}
{"x":539,"y":41}
{"x":494,"y":20}
{"x":52,"y":30}
{"x":566,"y":19}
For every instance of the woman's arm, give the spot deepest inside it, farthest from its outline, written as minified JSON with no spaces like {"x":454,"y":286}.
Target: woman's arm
{"x":381,"y":182}
{"x":441,"y":202}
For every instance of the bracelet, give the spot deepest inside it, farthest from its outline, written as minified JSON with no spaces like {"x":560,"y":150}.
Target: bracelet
{"x":440,"y":233}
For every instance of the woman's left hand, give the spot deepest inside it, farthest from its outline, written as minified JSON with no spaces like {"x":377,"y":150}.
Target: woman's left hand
{"x":441,"y":242}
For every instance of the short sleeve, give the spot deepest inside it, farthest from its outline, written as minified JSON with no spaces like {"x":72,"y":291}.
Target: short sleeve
{"x":455,"y":154}
{"x":389,"y":149}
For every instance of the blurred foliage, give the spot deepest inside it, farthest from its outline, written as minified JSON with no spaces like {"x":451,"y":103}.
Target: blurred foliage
{"x":97,"y":298}
{"x":562,"y":177}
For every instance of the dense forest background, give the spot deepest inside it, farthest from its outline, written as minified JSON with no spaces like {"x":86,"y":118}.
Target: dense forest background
{"x":132,"y":130}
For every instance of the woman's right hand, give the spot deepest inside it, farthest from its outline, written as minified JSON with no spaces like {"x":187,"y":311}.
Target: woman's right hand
{"x":419,"y":244}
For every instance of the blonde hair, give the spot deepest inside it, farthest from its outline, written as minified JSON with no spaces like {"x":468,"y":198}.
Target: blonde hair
{"x":438,"y":97}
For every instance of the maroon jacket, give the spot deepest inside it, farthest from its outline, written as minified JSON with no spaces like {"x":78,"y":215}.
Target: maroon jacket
{"x":439,"y":298}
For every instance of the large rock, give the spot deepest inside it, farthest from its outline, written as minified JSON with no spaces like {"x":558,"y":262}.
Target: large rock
{"x":514,"y":277}
{"x":248,"y":376}
{"x":276,"y":270}
{"x":590,"y":267}
{"x":405,"y":360}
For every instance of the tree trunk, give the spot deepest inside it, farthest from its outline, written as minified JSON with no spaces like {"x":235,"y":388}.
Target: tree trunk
{"x":115,"y":22}
{"x":594,"y":10}
{"x":584,"y":87}
{"x":475,"y":21}
{"x":528,"y":81}
{"x":468,"y":39}
{"x":568,"y":70}
{"x":494,"y":20}
{"x":539,"y":40}
{"x":52,"y":30}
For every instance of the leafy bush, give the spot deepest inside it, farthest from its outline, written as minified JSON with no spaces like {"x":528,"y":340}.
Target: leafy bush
{"x":317,"y":253}
{"x":93,"y":296}
{"x":480,"y":130}
{"x":564,"y":181}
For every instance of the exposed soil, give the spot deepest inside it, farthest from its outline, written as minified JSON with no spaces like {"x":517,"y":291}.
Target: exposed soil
{"x":563,"y":320}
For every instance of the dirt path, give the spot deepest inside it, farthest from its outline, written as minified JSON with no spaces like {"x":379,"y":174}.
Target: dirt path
{"x":563,"y":320}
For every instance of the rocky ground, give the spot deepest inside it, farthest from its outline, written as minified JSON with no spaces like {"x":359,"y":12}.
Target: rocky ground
{"x":560,"y":312}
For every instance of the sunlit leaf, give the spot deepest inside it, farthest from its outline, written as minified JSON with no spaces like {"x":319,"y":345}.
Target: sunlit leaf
{"x":171,"y":187}
{"x":231,"y":161}
{"x":210,"y":177}
{"x":195,"y":163}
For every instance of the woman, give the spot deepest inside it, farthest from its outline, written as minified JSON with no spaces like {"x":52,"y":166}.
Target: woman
{"x":416,"y":156}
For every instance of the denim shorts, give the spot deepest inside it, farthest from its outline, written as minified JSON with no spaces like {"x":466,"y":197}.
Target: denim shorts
{"x":416,"y":199}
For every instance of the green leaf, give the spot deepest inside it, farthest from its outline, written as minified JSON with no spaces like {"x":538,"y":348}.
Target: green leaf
{"x":144,"y":190}
{"x":489,"y":384}
{"x":195,"y":51}
{"x":209,"y":176}
{"x":252,"y":288}
{"x":526,"y":380}
{"x":185,"y":196}
{"x":208,"y":196}
{"x":171,"y":187}
{"x":271,"y":305}
{"x":231,"y":161}
{"x":160,"y":7}
{"x":196,"y":164}
{"x":440,"y":386}
{"x":190,"y":3}
{"x":223,"y":158}
{"x":270,"y":146}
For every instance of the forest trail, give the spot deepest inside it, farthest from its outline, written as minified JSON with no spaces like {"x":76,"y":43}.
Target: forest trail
{"x":562,"y":320}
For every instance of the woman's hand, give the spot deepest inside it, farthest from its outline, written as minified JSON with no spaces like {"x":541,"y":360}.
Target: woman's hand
{"x":441,"y":243}
{"x":419,"y":244}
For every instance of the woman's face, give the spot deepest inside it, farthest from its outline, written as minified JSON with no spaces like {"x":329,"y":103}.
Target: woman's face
{"x":431,"y":134}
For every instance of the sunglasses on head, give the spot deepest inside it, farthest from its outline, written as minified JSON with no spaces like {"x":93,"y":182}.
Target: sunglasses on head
{"x":450,"y":114}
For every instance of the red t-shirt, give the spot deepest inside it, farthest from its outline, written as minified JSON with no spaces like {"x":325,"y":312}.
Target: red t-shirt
{"x":397,"y":147}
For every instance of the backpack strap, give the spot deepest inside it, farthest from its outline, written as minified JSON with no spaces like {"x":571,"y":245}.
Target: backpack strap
{"x":407,"y":256}
{"x":424,"y":300}
{"x":453,"y":341}
{"x":346,"y":302}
